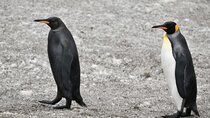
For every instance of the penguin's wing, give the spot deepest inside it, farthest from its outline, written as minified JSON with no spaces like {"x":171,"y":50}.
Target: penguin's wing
{"x":190,"y":82}
{"x":61,"y":61}
{"x":184,"y":71}
{"x":181,"y":62}
{"x":66,"y":64}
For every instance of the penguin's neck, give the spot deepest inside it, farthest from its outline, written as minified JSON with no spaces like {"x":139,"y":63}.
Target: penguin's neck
{"x":59,"y":28}
{"x":173,"y":38}
{"x":166,"y":42}
{"x":174,"y":35}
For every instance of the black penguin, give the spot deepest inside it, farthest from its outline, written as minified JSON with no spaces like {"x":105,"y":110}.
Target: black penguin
{"x":64,"y":62}
{"x":178,"y":69}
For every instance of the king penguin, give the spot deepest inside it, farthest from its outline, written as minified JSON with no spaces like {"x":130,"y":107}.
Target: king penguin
{"x":64,"y":62}
{"x":179,"y":71}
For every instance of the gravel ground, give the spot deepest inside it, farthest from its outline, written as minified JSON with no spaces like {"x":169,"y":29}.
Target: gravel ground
{"x":121,"y":76}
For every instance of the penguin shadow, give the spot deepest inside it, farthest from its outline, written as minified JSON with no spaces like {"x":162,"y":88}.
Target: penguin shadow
{"x":54,"y":107}
{"x":191,"y":116}
{"x":37,"y":105}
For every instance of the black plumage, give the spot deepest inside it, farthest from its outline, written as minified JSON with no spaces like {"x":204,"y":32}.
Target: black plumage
{"x":64,"y":62}
{"x":184,"y":72}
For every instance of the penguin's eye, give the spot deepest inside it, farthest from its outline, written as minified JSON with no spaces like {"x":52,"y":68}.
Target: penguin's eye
{"x":53,"y":21}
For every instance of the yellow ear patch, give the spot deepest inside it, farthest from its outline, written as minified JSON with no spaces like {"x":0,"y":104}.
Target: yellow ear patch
{"x":176,"y":28}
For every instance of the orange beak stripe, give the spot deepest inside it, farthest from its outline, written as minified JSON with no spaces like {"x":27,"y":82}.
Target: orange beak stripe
{"x":46,"y":22}
{"x":164,"y":28}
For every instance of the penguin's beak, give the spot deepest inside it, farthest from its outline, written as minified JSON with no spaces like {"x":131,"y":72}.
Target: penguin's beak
{"x":42,"y":21}
{"x":160,"y":26}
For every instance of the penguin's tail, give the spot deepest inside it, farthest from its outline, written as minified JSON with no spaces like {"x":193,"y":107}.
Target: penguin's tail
{"x":78,"y":98}
{"x":195,"y":110}
{"x":81,"y":103}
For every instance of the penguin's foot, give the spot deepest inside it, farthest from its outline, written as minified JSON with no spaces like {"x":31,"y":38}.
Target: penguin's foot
{"x":187,"y":113}
{"x":56,"y":100}
{"x":176,"y":115}
{"x":61,"y":107}
{"x":47,"y":102}
{"x":67,"y":106}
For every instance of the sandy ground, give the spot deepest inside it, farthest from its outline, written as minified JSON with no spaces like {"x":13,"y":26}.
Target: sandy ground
{"x":121,"y":76}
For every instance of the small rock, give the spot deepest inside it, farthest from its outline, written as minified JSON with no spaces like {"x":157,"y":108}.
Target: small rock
{"x":132,"y":77}
{"x":116,"y":61}
{"x":26,"y":92}
{"x":94,"y":66}
{"x":136,"y":107}
{"x":13,"y":65}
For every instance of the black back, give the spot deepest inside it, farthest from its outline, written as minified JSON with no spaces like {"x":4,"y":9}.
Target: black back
{"x":64,"y":60}
{"x":184,"y":72}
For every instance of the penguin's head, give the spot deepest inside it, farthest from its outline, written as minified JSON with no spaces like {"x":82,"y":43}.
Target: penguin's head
{"x":169,"y":27}
{"x":52,"y":22}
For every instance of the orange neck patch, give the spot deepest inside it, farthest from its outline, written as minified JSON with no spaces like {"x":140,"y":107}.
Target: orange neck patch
{"x":166,"y":42}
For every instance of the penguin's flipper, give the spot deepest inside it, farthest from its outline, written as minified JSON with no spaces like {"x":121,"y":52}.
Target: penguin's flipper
{"x":191,"y":88}
{"x":181,"y":62}
{"x":186,"y":79}
{"x":190,"y":83}
{"x":66,"y":64}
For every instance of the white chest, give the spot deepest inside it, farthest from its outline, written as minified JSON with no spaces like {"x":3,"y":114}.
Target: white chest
{"x":168,"y":64}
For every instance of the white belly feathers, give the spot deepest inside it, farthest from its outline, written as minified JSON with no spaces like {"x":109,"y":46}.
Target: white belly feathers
{"x":168,"y":64}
